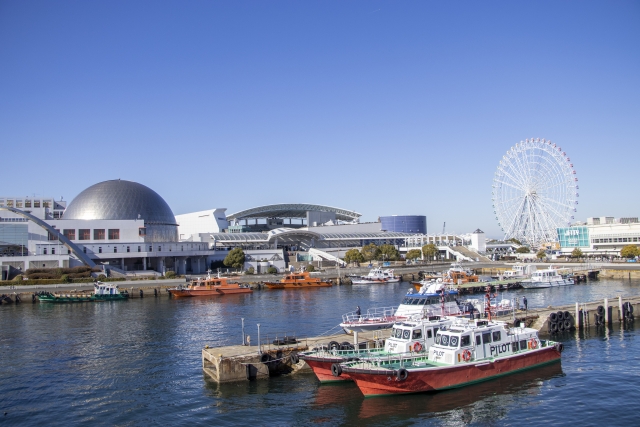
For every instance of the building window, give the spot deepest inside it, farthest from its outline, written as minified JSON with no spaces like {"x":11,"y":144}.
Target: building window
{"x":36,"y":203}
{"x":18,"y":203}
{"x":150,"y":248}
{"x":159,"y":248}
{"x":53,"y":251}
{"x":142,"y":231}
{"x":45,"y":204}
{"x":98,"y":234}
{"x":51,"y":236}
{"x":115,"y":249}
{"x":44,"y":251}
{"x":84,"y":234}
{"x":69,"y":234}
{"x":114,"y":234}
{"x":99,"y":249}
{"x":128,"y":249}
{"x":27,"y":203}
{"x":139,"y":249}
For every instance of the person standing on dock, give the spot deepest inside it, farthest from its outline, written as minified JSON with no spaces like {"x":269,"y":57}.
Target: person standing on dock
{"x":358,"y":311}
{"x":524,"y":302}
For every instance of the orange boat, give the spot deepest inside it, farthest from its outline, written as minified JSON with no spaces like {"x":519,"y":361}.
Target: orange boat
{"x":298,"y":281}
{"x":209,"y":286}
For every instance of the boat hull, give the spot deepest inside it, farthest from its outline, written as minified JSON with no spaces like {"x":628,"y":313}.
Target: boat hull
{"x":542,"y":285}
{"x":81,"y":298}
{"x":384,"y":382}
{"x":300,"y":285}
{"x":181,"y":293}
{"x":322,"y":369}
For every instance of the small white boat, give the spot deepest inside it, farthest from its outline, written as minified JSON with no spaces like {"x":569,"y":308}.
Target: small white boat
{"x":548,"y":278}
{"x":376,"y":275}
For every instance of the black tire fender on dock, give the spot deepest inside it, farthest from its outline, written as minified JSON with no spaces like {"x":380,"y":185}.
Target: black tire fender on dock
{"x":567,"y":315}
{"x":553,"y":327}
{"x":294,"y":358}
{"x":265,"y":358}
{"x":567,"y":324}
{"x":402,"y":374}
{"x":559,"y":347}
{"x":333,"y":345}
{"x":336,"y":370}
{"x":600,"y":310}
{"x":560,"y":326}
{"x":553,"y":317}
{"x":560,"y":316}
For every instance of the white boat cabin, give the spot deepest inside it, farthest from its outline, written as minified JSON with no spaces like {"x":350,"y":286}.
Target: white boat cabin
{"x":415,"y":336}
{"x":105,"y":289}
{"x":467,"y":341}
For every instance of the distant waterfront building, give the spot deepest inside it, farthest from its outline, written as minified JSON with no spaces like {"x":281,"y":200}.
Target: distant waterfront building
{"x":600,"y":236}
{"x":415,"y":224}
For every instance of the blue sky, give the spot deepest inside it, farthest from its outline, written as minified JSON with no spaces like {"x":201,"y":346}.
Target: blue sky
{"x":380,"y":107}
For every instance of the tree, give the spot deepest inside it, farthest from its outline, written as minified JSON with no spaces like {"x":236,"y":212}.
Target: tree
{"x":235,"y":258}
{"x":311,"y":268}
{"x":630,"y":251}
{"x":414,"y":254}
{"x":514,"y":240}
{"x":353,"y":255}
{"x":370,"y":252}
{"x":576,"y":253}
{"x":389,"y":253}
{"x":541,"y":254}
{"x":272,"y":270}
{"x":523,"y":250}
{"x":430,"y":250}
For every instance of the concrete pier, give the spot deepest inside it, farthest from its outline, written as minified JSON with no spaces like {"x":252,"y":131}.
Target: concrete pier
{"x":241,"y":363}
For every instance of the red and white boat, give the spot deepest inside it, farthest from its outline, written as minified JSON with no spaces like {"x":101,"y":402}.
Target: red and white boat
{"x":468,"y":352}
{"x":409,"y":337}
{"x":209,"y":286}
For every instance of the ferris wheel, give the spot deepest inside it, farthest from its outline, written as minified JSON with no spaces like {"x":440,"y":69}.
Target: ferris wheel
{"x":535,"y":191}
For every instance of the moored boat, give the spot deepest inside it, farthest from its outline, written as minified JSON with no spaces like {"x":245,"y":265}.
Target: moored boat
{"x":209,"y":286}
{"x":408,"y":337}
{"x":548,"y":278}
{"x":298,"y":281}
{"x":376,"y":275}
{"x":467,"y":352}
{"x":101,"y":292}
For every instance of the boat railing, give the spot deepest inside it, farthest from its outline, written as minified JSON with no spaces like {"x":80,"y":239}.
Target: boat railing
{"x":372,"y":314}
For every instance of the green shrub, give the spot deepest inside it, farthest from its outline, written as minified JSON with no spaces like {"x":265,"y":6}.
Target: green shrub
{"x":250,"y":270}
{"x":272,"y":270}
{"x":170,"y":274}
{"x":310,"y":268}
{"x":101,"y":277}
{"x":65,"y":278}
{"x":18,"y":278}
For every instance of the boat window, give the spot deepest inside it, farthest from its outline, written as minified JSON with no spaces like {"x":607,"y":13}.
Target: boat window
{"x":496,"y":336}
{"x":444,"y":340}
{"x":514,"y":346}
{"x":416,"y":301}
{"x":393,"y":332}
{"x":523,"y":344}
{"x":417,"y":333}
{"x":478,"y":340}
{"x":398,"y":333}
{"x":465,"y":340}
{"x":429,"y":335}
{"x":437,"y":339}
{"x":435,"y":331}
{"x":406,"y":301}
{"x":406,"y":334}
{"x":486,"y":338}
{"x":453,"y":342}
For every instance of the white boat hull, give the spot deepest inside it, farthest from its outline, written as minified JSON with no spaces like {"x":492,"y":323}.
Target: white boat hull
{"x":545,"y":284}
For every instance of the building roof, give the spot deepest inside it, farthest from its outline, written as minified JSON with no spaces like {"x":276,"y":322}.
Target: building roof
{"x":292,"y":210}
{"x":119,"y":200}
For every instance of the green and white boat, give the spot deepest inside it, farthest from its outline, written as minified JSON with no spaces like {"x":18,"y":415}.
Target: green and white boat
{"x":101,"y":292}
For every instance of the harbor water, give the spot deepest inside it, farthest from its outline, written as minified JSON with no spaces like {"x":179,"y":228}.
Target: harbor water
{"x":138,"y":362}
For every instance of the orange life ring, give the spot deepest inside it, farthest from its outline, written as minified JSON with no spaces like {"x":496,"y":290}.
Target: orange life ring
{"x":534,"y":343}
{"x":417,"y":347}
{"x":466,"y":355}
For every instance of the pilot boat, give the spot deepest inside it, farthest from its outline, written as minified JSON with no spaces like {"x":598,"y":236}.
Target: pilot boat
{"x":408,"y":337}
{"x":298,"y":281}
{"x":101,"y":292}
{"x":467,"y":352}
{"x":209,"y":286}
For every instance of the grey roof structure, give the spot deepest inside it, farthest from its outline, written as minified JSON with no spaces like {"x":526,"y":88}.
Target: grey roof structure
{"x":119,"y":200}
{"x":292,"y":210}
{"x":281,"y":233}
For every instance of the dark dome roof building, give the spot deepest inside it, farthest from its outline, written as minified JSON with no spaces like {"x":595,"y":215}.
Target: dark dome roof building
{"x":126,"y":200}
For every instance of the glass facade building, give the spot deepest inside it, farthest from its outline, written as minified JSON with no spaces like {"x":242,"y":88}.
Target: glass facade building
{"x":416,"y":224}
{"x":573,"y":237}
